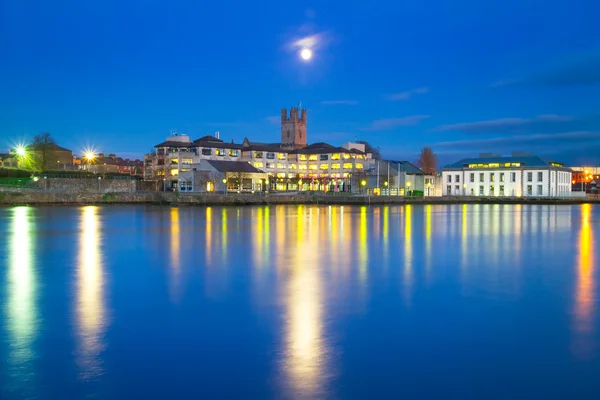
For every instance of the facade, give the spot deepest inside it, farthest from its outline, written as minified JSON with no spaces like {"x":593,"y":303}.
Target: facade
{"x":515,"y":176}
{"x":223,"y":176}
{"x":397,"y":178}
{"x":290,"y":164}
{"x":585,"y":179}
{"x":8,"y":161}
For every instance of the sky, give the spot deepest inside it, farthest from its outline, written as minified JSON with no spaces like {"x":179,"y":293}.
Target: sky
{"x":463,"y":77}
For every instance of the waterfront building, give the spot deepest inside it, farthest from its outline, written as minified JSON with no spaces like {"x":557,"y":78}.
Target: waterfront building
{"x":290,"y":164}
{"x":223,"y":176}
{"x":8,"y":160}
{"x":521,"y":175}
{"x":397,"y":178}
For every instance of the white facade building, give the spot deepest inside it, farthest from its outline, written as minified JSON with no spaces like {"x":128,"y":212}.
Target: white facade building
{"x":516,"y":176}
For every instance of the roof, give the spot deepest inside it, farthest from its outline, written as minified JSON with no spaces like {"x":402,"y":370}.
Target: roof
{"x":524,"y":161}
{"x":54,"y":147}
{"x":233,"y":166}
{"x":171,"y":143}
{"x":406,"y":166}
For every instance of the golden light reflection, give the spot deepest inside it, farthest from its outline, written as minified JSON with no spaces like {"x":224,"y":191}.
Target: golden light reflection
{"x":258,"y":238}
{"x":208,"y":237}
{"x":585,"y":294}
{"x":22,"y":311}
{"x":224,"y":235}
{"x":362,"y":245}
{"x":464,"y":251}
{"x":175,"y":249}
{"x":386,"y":231}
{"x":91,"y":312}
{"x":428,"y":251}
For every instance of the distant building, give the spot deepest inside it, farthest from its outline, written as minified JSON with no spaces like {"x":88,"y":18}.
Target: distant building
{"x":290,"y":164}
{"x":221,"y":176}
{"x":521,"y":175}
{"x":56,"y":157}
{"x":8,"y":160}
{"x":397,"y":178}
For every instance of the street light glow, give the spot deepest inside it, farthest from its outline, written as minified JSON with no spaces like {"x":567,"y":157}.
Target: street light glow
{"x":20,"y":150}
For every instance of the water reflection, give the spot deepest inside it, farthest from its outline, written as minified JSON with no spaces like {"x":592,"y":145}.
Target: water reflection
{"x":92,"y":318}
{"x":175,"y":250}
{"x":585,"y":293}
{"x":22,"y":308}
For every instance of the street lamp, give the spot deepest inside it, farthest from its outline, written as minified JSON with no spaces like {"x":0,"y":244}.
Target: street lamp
{"x":20,"y":150}
{"x":428,"y":188}
{"x":408,"y":185}
{"x":464,"y":189}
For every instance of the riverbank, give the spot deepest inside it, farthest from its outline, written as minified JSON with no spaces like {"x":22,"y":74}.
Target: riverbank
{"x":169,"y":198}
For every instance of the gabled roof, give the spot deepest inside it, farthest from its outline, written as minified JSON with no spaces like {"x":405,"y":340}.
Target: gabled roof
{"x":53,"y":146}
{"x":208,"y":138}
{"x":233,"y":166}
{"x":170,"y":143}
{"x":524,"y":161}
{"x":406,"y":166}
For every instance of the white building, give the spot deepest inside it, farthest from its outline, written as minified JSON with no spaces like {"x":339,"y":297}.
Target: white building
{"x":520,"y":175}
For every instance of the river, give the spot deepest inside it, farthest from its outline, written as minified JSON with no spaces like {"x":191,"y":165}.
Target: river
{"x":433,"y":301}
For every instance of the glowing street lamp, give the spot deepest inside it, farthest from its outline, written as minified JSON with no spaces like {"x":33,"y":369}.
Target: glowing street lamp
{"x":21,"y":151}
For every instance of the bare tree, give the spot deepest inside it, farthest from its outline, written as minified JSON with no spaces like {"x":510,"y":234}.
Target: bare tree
{"x":427,"y":161}
{"x":376,"y":153}
{"x":44,"y":151}
{"x":239,"y":180}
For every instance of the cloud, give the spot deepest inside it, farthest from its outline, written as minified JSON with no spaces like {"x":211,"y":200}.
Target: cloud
{"x":511,"y":125}
{"x":274,"y":119}
{"x":582,"y":72}
{"x":313,"y":41}
{"x":339,"y":102}
{"x":407,"y":95}
{"x":391,"y":123}
{"x":543,"y":139}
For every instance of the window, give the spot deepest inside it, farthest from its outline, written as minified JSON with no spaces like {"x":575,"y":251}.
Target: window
{"x":302,"y":157}
{"x":529,"y":190}
{"x":530,"y":177}
{"x":347,"y":165}
{"x":501,"y":190}
{"x":335,"y":156}
{"x":186,"y":160}
{"x":280,"y":166}
{"x":481,"y":190}
{"x":501,"y":177}
{"x":281,"y":156}
{"x":449,"y":178}
{"x":312,"y":166}
{"x":324,"y":157}
{"x":270,"y":156}
{"x":174,"y":172}
{"x":492,"y":190}
{"x":220,"y":152}
{"x":472,"y":192}
{"x":160,"y":152}
{"x":234,"y":153}
{"x":302,"y":166}
{"x":258,"y":165}
{"x":335,"y":166}
{"x":206,"y":151}
{"x":313,"y":157}
{"x":472,"y":178}
{"x":540,"y":189}
{"x":270,"y":165}
{"x":449,"y":189}
{"x":174,"y":161}
{"x":346,"y":156}
{"x":457,"y":189}
{"x":513,"y":176}
{"x":292,"y":166}
{"x":456,"y":178}
{"x":258,"y":154}
{"x":324,"y":166}
{"x":481,"y":177}
{"x":492,"y":177}
{"x":359,"y":166}
{"x":540,"y":176}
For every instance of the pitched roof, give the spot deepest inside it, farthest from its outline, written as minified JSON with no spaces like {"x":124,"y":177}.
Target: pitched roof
{"x":233,"y":166}
{"x":406,"y":166}
{"x":53,"y":146}
{"x":171,"y":143}
{"x":525,"y":161}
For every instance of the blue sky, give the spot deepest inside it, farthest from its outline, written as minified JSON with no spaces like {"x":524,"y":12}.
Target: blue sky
{"x":463,"y":77}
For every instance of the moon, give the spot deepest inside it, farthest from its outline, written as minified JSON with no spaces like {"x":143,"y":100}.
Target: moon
{"x":306,"y":54}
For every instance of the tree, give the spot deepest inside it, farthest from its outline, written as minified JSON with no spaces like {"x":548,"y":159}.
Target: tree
{"x":427,"y":161}
{"x":370,"y":149}
{"x":43,"y":147}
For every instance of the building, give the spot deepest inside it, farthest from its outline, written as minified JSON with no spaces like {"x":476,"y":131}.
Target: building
{"x":521,"y":175}
{"x":223,"y":176}
{"x":290,"y":164}
{"x":584,"y":178}
{"x":8,"y":160}
{"x":397,"y":178}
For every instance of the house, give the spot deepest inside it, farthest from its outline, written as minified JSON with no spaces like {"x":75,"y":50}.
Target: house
{"x":222,"y":176}
{"x":290,"y":164}
{"x":8,"y":160}
{"x":520,"y":175}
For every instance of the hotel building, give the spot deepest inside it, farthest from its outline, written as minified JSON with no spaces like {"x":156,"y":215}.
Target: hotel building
{"x":521,"y":175}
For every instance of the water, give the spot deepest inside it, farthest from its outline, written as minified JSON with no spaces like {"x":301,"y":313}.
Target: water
{"x":497,"y":301}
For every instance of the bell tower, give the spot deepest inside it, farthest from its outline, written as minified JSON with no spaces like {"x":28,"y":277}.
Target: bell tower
{"x":293,"y":129}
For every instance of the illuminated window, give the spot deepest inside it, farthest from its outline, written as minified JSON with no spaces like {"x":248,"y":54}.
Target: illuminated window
{"x":335,"y":156}
{"x":281,"y":156}
{"x":174,"y":172}
{"x":234,"y":153}
{"x":494,"y":165}
{"x":206,"y":151}
{"x":359,"y":166}
{"x":515,"y":164}
{"x":492,"y":190}
{"x":220,"y":152}
{"x":346,"y":156}
{"x":292,"y":166}
{"x":186,"y":160}
{"x":492,"y":177}
{"x":324,"y":166}
{"x":312,"y":166}
{"x":501,"y":177}
{"x":347,"y":165}
{"x":174,"y":161}
{"x":258,"y":165}
{"x":529,"y":190}
{"x":335,"y":166}
{"x":313,"y":157}
{"x":281,"y":174}
{"x":258,"y":154}
{"x":270,"y":165}
{"x":302,"y":157}
{"x":501,"y":190}
{"x":481,"y":179}
{"x":302,"y":166}
{"x":280,"y":165}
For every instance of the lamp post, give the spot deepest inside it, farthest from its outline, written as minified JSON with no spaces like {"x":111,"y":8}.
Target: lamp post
{"x":387,"y":192}
{"x":464,"y":189}
{"x":428,"y":188}
{"x":99,"y":180}
{"x":363,"y":183}
{"x":408,"y":185}
{"x":45,"y":181}
{"x":225,"y":184}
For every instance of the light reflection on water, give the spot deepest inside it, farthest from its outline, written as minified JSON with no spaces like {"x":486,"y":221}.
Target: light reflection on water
{"x":325,"y":301}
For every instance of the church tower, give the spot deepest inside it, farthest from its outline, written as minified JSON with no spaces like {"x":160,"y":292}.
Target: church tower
{"x":293,"y":129}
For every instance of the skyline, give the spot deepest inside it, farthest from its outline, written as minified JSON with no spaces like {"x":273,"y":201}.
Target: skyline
{"x":462,"y":79}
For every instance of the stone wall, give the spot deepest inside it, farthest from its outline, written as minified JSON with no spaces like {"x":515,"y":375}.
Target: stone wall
{"x":76,"y":186}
